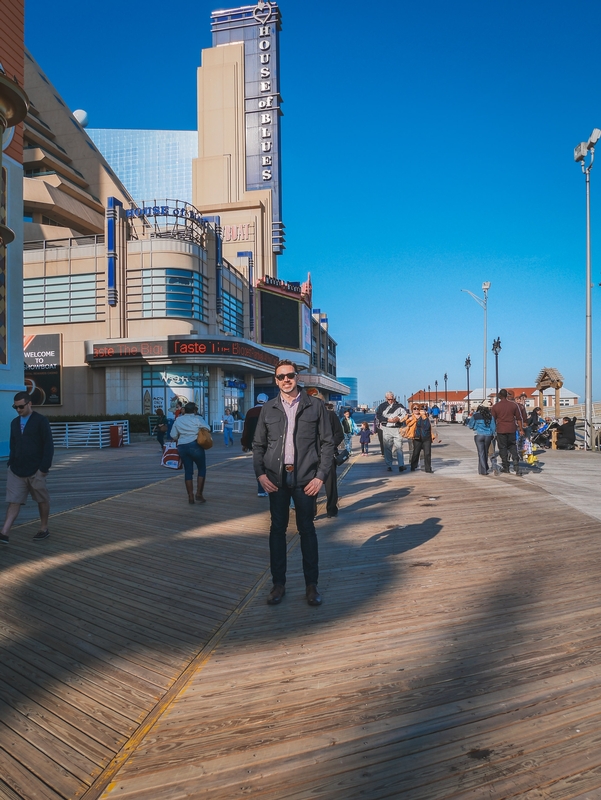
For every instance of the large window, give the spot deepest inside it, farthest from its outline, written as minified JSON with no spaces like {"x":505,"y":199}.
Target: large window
{"x":163,"y":386}
{"x":173,"y":293}
{"x":233,"y":314}
{"x":64,"y":298}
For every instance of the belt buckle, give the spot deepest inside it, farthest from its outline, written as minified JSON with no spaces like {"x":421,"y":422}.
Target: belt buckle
{"x":289,"y":467}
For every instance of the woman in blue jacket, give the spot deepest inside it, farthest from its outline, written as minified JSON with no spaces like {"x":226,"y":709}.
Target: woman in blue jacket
{"x":484,"y":427}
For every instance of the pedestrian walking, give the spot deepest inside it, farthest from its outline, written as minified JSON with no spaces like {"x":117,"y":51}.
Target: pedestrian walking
{"x":31,"y":450}
{"x":185,"y":432}
{"x":293,"y":451}
{"x":508,"y":419}
{"x":248,"y":432}
{"x":349,"y":429}
{"x":392,"y":415}
{"x":228,"y":427}
{"x":422,"y":436}
{"x":161,"y":427}
{"x":484,"y":427}
{"x":364,"y":437}
{"x":331,"y":482}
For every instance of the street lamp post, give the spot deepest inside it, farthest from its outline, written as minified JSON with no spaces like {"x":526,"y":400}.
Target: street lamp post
{"x":580,"y":155}
{"x":496,"y":348}
{"x":468,"y":364}
{"x":483,"y":303}
{"x":446,"y":394}
{"x":429,"y":398}
{"x":436,"y":392}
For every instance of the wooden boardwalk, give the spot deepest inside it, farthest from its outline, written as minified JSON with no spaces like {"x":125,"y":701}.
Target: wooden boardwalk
{"x":457,"y":653}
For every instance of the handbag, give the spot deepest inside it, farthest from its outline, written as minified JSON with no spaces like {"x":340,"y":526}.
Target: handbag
{"x":341,"y":456}
{"x":171,"y":458}
{"x":204,"y":438}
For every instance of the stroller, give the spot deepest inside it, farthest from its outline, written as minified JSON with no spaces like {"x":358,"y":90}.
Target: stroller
{"x":542,"y":437}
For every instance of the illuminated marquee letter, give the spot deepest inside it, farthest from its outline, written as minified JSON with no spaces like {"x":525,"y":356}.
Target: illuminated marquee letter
{"x":264,"y":44}
{"x":266,"y":147}
{"x":266,"y":119}
{"x":265,"y":86}
{"x":266,"y":174}
{"x":266,"y":161}
{"x":266,"y":102}
{"x":265,"y":72}
{"x":265,"y":58}
{"x":265,"y":30}
{"x":265,"y":133}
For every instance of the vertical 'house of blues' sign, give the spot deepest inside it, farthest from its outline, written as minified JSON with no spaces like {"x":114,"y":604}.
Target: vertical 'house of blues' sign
{"x":258,"y":26}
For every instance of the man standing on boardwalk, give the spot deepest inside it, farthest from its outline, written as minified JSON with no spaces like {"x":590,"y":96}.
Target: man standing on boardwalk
{"x":293,"y":451}
{"x":30,"y":459}
{"x":508,"y":419}
{"x":390,"y":414}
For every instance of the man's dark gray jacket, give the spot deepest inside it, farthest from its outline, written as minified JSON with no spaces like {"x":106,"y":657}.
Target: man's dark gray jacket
{"x":33,"y":449}
{"x":313,"y":441}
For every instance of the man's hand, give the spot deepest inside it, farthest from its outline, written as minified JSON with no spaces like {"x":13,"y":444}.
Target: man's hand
{"x":267,"y":484}
{"x":313,"y":487}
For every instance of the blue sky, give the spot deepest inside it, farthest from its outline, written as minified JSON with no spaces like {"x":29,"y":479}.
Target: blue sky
{"x":425,"y":149}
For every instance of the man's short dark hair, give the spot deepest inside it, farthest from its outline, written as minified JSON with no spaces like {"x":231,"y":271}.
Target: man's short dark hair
{"x":285,"y":362}
{"x":22,"y":396}
{"x":502,"y":392}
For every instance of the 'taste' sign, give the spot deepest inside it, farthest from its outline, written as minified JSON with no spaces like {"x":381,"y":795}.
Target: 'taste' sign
{"x":176,"y":348}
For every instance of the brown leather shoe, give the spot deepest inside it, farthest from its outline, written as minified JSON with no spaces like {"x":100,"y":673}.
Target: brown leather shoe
{"x":275,"y":595}
{"x":313,"y":596}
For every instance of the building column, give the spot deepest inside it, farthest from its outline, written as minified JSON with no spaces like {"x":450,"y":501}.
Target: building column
{"x":249,"y":392}
{"x":216,"y":395}
{"x":123,"y":390}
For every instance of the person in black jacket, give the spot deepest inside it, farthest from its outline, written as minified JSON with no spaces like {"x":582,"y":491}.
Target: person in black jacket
{"x":248,"y":434}
{"x":331,"y":482}
{"x":293,"y":451}
{"x":30,"y":459}
{"x":566,"y":434}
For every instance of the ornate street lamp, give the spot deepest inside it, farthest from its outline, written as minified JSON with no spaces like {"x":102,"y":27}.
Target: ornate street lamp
{"x":496,"y":348}
{"x":581,"y":152}
{"x":468,"y":364}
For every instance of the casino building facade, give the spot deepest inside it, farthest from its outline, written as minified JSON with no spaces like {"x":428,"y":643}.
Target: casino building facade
{"x":131,"y":304}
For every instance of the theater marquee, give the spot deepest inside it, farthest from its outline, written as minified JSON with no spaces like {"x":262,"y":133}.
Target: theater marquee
{"x":178,"y":348}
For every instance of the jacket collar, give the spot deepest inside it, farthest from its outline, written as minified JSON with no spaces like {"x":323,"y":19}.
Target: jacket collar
{"x":304,"y":401}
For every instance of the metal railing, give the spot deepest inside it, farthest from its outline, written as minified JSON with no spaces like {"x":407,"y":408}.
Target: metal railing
{"x":217,"y":427}
{"x":86,"y":434}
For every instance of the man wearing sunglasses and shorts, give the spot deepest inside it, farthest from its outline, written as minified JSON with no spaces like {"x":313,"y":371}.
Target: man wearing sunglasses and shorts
{"x":293,"y":452}
{"x":30,"y":459}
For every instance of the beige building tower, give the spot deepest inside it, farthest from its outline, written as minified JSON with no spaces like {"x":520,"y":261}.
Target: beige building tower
{"x":237,"y":173}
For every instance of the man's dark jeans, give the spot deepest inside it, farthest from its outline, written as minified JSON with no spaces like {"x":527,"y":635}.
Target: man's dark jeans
{"x":304,"y":506}
{"x":507,"y":446}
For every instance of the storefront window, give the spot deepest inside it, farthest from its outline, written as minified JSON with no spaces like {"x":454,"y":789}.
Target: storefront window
{"x":163,"y":386}
{"x":233,"y":394}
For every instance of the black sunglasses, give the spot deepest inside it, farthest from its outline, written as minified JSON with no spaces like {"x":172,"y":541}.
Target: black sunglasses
{"x":285,"y":375}
{"x":18,"y":408}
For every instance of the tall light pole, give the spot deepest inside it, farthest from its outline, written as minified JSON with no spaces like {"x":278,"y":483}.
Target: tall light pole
{"x":468,"y":364}
{"x":436,"y":392}
{"x":429,"y":399}
{"x":446,"y":397}
{"x":483,"y":303}
{"x":496,"y":348}
{"x":580,"y":155}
